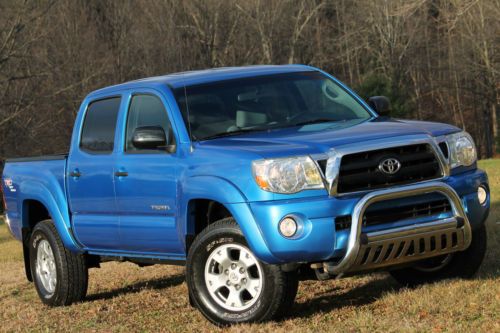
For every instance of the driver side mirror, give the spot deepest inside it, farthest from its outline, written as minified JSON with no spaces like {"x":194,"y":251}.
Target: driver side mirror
{"x":381,"y":105}
{"x":152,"y":137}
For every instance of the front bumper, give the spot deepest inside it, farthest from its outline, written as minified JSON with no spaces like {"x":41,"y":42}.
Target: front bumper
{"x":318,"y":241}
{"x":392,"y":246}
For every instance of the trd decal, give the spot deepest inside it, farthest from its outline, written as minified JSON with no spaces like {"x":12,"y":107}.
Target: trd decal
{"x":8,"y":183}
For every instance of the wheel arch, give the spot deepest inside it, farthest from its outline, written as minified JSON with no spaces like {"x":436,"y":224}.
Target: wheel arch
{"x":40,"y":204}
{"x":33,"y":211}
{"x":218,"y":198}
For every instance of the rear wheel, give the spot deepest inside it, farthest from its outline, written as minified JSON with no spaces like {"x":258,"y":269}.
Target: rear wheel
{"x":462,"y":264}
{"x":60,"y":276}
{"x":228,"y":284}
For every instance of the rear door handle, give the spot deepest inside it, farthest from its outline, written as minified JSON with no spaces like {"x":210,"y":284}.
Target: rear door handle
{"x":121,"y":174}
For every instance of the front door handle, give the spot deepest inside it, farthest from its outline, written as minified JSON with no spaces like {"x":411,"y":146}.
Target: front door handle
{"x":75,"y":173}
{"x":121,"y":174}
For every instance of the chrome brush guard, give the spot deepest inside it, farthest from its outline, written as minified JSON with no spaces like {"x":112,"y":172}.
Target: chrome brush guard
{"x":366,"y":251}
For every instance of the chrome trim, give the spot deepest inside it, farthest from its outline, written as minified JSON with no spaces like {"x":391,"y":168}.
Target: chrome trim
{"x":412,"y":229}
{"x":411,"y":247}
{"x":442,"y":139}
{"x":316,"y":158}
{"x":354,"y":245}
{"x":335,"y":156}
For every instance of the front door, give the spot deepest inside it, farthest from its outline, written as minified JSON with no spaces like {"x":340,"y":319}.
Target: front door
{"x":145,"y":182}
{"x":90,"y":177}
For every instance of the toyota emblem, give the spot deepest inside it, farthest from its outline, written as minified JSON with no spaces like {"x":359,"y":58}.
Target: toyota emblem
{"x":389,"y":166}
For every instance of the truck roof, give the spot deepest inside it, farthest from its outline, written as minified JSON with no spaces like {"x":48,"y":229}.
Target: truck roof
{"x":176,"y":80}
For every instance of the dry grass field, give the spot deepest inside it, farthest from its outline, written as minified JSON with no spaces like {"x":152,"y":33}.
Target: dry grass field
{"x":123,"y":297}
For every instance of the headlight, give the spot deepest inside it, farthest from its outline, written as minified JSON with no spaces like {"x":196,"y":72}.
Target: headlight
{"x":462,"y":149}
{"x":287,"y":175}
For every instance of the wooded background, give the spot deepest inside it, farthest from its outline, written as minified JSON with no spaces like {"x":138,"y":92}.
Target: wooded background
{"x":436,"y":59}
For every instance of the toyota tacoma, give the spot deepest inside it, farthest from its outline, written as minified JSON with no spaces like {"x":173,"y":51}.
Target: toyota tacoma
{"x":254,"y":178}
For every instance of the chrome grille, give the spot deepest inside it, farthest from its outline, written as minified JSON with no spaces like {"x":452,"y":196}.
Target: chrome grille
{"x":360,"y":171}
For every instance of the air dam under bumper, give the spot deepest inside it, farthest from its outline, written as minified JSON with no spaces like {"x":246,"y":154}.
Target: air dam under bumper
{"x":366,"y":251}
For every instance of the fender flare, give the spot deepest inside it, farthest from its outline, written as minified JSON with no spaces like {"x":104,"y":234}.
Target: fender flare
{"x":56,"y":205}
{"x":227,"y":194}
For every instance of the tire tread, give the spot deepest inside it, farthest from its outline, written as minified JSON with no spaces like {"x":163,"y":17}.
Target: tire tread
{"x":285,"y":283}
{"x":73,"y":282}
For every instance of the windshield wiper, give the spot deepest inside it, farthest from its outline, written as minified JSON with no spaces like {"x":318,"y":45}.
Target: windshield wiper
{"x":315,"y":121}
{"x":266,"y":128}
{"x":240,"y":131}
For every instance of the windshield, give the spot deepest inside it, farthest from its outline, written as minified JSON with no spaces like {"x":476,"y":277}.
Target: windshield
{"x":265,"y":102}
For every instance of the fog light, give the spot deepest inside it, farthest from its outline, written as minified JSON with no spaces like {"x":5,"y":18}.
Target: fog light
{"x":482,"y":195}
{"x":288,"y":227}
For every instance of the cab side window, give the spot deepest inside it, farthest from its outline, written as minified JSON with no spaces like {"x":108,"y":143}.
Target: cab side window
{"x":98,"y":132}
{"x":144,"y":111}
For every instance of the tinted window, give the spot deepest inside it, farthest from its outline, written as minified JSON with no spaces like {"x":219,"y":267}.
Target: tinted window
{"x":146,"y":110}
{"x":266,"y":102}
{"x":98,"y":134}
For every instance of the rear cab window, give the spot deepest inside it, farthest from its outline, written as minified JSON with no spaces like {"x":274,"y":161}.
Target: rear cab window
{"x":99,"y":126}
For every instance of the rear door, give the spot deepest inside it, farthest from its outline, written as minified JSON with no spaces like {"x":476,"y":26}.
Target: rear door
{"x":146,"y":188}
{"x":90,"y":176}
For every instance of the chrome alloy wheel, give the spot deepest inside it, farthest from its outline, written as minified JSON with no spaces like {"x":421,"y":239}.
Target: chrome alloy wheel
{"x":233,"y":277}
{"x":46,"y":271}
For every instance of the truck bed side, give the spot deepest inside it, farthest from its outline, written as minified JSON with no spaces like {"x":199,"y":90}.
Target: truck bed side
{"x":36,"y":186}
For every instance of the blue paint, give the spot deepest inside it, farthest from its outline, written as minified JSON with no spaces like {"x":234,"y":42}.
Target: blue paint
{"x":145,"y":214}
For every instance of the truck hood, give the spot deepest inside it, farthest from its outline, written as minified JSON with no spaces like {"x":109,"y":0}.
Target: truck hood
{"x":319,"y":138}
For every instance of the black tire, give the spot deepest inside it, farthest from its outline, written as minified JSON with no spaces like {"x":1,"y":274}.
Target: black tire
{"x":71,"y":268}
{"x":461,"y":265}
{"x":278,"y":291}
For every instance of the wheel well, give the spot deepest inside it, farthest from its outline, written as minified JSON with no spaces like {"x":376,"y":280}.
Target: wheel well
{"x":33,"y":212}
{"x":200,"y":214}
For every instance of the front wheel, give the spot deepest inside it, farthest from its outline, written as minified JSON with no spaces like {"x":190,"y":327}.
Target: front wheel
{"x":229,"y":284}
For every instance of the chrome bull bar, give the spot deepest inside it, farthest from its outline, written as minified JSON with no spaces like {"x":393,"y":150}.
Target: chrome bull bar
{"x":394,"y":246}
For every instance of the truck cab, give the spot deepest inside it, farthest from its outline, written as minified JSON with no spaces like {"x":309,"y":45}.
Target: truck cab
{"x":254,"y":178}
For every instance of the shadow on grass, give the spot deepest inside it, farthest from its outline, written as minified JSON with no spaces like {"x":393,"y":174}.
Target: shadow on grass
{"x":357,"y":296}
{"x":156,"y":284}
{"x":375,"y":289}
{"x":491,"y":265}
{"x":333,"y":299}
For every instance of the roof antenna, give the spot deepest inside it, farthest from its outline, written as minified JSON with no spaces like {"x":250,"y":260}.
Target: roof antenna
{"x":191,"y":148}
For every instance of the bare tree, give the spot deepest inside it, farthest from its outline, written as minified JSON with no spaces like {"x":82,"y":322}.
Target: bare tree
{"x":436,"y":59}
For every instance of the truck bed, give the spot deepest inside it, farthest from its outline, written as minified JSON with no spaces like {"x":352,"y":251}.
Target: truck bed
{"x":40,"y":178}
{"x":51,"y":157}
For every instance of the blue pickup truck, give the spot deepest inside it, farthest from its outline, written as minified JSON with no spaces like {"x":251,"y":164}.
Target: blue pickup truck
{"x":254,"y":178}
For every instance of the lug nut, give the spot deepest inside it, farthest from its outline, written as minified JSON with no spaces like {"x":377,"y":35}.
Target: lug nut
{"x":233,"y":266}
{"x":228,"y":283}
{"x":237,"y":287}
{"x":242,"y":270}
{"x":226,"y":272}
{"x":244,"y":280}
